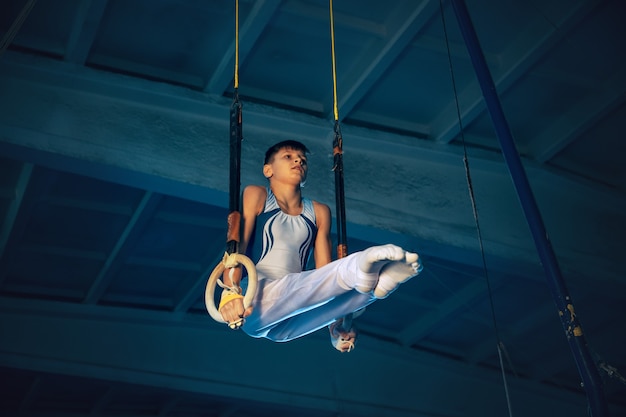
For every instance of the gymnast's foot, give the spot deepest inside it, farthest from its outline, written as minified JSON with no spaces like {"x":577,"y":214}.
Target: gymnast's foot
{"x":395,"y":273}
{"x":371,"y":261}
{"x":343,"y":340}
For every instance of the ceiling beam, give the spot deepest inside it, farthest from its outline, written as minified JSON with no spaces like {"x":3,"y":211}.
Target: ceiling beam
{"x":172,"y":141}
{"x":31,"y":396}
{"x":536,"y":41}
{"x":13,"y":207}
{"x":188,"y":298}
{"x":515,"y":331}
{"x":102,"y":401}
{"x":185,"y":353}
{"x":571,"y":125}
{"x":16,"y":25}
{"x":33,"y":187}
{"x":142,"y":213}
{"x":84,"y":30}
{"x":457,"y":302}
{"x":405,"y":23}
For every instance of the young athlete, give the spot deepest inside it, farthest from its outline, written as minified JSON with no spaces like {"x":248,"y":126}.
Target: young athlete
{"x":279,"y":230}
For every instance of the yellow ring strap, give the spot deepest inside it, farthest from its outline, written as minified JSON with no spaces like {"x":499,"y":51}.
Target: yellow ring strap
{"x":228,"y":296}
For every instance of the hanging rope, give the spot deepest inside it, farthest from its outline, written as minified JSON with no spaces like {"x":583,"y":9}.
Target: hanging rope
{"x":334,"y":63}
{"x":499,"y":344}
{"x":342,"y":246}
{"x":232,"y":257}
{"x":236,"y":137}
{"x":342,"y":243}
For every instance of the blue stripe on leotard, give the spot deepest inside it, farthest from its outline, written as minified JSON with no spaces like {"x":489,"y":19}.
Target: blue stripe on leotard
{"x":281,"y":243}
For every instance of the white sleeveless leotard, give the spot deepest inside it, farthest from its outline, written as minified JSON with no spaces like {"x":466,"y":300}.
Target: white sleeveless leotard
{"x":281,"y":243}
{"x":291,"y":302}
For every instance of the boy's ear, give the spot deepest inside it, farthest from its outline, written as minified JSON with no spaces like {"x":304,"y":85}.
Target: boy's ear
{"x":267,"y":170}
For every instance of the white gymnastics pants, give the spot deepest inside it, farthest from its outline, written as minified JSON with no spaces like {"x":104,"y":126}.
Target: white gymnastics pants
{"x":301,"y":303}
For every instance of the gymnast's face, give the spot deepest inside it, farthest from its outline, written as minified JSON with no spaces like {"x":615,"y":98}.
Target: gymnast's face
{"x":287,"y":165}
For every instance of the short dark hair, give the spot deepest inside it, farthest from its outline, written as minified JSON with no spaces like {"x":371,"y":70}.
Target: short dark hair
{"x":288,"y":144}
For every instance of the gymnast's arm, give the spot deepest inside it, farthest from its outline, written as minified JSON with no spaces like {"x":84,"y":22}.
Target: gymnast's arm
{"x":322,"y":251}
{"x":252,"y":203}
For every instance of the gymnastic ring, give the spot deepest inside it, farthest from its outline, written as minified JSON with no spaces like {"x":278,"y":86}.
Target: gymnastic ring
{"x":230,"y":261}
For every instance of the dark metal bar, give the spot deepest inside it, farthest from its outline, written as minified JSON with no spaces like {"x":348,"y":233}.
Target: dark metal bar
{"x":573,"y":330}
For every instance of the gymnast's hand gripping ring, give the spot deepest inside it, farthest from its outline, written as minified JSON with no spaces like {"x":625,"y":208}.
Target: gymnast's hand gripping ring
{"x":230,"y":261}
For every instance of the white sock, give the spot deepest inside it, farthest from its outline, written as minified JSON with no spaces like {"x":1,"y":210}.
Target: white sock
{"x":395,"y":273}
{"x":370,"y":263}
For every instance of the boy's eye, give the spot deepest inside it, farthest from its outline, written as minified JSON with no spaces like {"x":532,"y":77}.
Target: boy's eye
{"x":290,"y":156}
